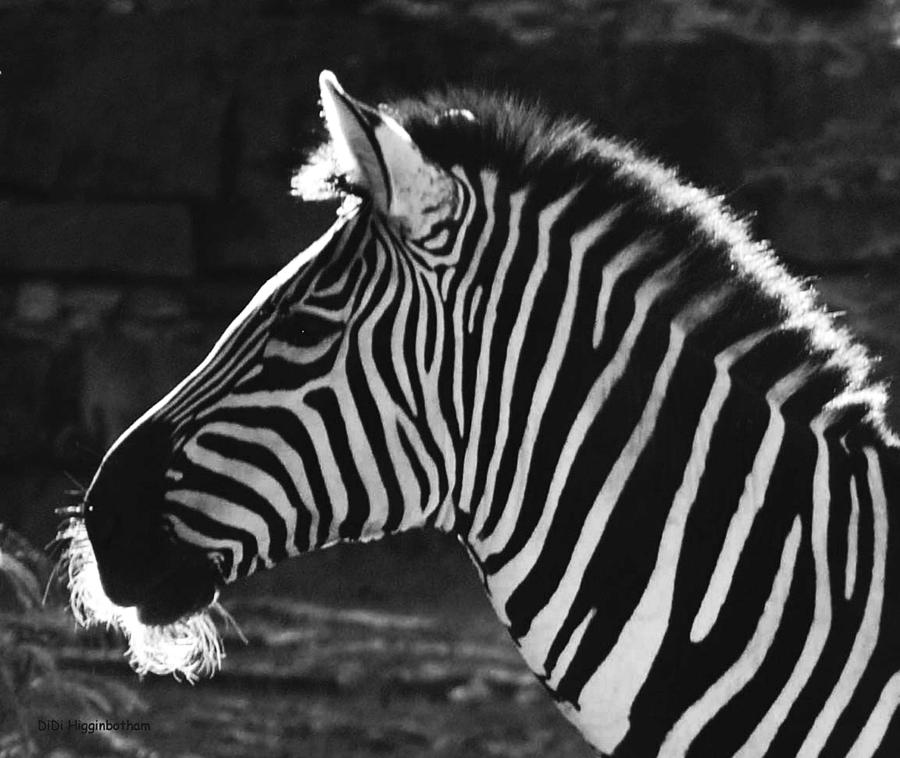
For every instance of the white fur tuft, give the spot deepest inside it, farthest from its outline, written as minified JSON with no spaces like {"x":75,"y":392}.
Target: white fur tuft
{"x":315,"y":180}
{"x":190,"y":647}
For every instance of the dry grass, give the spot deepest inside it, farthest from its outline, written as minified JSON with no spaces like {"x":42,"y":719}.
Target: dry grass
{"x":33,"y":687}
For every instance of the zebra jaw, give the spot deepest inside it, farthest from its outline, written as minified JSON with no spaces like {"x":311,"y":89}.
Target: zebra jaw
{"x":190,"y":647}
{"x":374,"y":153}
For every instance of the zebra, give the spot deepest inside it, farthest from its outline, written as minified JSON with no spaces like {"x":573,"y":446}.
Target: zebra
{"x":668,"y":464}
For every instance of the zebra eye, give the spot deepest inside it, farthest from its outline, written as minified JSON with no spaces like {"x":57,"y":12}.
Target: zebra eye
{"x":302,"y":336}
{"x":303,"y":327}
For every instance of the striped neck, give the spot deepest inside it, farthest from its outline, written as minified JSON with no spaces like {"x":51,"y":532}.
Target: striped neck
{"x":636,"y":439}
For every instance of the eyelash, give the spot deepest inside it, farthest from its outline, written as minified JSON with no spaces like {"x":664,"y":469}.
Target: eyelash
{"x":344,"y":186}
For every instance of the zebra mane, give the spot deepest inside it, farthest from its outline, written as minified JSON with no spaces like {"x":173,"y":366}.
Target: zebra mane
{"x":523,"y":143}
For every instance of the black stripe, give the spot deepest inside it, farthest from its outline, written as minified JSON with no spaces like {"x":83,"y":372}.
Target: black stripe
{"x":415,"y":465}
{"x":360,"y":388}
{"x":216,"y":530}
{"x":265,"y":460}
{"x":608,"y":433}
{"x":325,"y":402}
{"x":221,"y":487}
{"x":790,"y":490}
{"x":291,"y":429}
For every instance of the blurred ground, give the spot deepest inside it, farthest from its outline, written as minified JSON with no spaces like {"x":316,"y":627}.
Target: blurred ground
{"x":374,"y":654}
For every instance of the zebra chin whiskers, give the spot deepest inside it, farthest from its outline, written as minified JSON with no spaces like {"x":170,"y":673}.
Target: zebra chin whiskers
{"x":190,"y":647}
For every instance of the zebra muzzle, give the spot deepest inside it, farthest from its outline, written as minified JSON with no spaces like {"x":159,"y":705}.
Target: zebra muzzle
{"x":141,"y":564}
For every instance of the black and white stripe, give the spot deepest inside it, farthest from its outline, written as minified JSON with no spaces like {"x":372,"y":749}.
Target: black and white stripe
{"x":611,"y":483}
{"x":650,"y":441}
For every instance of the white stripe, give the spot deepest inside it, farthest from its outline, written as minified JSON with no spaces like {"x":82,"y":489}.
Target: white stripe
{"x":871,"y":735}
{"x":765,"y":731}
{"x":469,"y":202}
{"x":870,"y":738}
{"x":489,"y":185}
{"x":413,"y":505}
{"x":211,"y":544}
{"x":363,"y":462}
{"x":504,"y":581}
{"x":695,"y":718}
{"x":337,"y":287}
{"x":852,"y":541}
{"x":483,"y":369}
{"x":473,"y":308}
{"x":363,"y":459}
{"x":436,"y":243}
{"x":866,"y":635}
{"x":752,"y":499}
{"x":450,"y":272}
{"x":436,"y":422}
{"x":285,"y":399}
{"x":398,"y":330}
{"x":249,"y":376}
{"x":420,"y":325}
{"x":568,"y":653}
{"x":311,"y":420}
{"x":299,"y":354}
{"x":277,"y":445}
{"x":609,"y":693}
{"x":537,"y":642}
{"x":415,"y":514}
{"x":227,"y":513}
{"x":546,"y":221}
{"x":331,"y":474}
{"x":249,"y":476}
{"x":613,"y":688}
{"x":625,"y":260}
{"x":336,"y":316}
{"x":387,"y":411}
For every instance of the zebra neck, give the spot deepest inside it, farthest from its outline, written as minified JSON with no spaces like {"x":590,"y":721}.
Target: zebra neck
{"x":797,"y":551}
{"x":643,"y":498}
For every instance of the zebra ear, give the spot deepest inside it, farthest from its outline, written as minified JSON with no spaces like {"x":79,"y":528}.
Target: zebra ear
{"x":377,"y":154}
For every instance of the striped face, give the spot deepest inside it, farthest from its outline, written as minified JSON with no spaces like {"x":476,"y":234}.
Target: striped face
{"x":307,"y":423}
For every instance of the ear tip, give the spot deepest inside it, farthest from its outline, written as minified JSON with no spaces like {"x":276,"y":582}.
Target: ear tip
{"x":328,"y":83}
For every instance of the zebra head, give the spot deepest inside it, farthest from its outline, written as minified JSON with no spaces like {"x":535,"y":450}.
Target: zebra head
{"x":589,"y":371}
{"x":281,"y":439}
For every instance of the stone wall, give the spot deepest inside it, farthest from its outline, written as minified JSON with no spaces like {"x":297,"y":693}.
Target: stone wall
{"x":146,"y":149}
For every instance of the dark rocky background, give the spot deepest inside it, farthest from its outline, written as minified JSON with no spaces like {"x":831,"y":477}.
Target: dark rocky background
{"x":146,"y":148}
